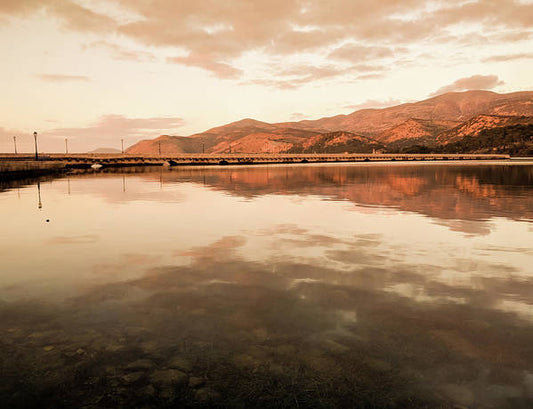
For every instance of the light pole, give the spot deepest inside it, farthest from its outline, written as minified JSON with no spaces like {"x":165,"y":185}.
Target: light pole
{"x":122,"y":141}
{"x":15,"y":143}
{"x":203,"y":147}
{"x":36,"y":151}
{"x":66,"y":146}
{"x":159,"y":147}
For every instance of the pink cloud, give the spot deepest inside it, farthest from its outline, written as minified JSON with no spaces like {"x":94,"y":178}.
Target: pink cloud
{"x":220,"y":69}
{"x":216,"y":33}
{"x":373,"y":103}
{"x":484,"y":82}
{"x":62,"y":77}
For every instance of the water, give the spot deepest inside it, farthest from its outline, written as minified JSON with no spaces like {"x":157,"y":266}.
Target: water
{"x":371,"y":286}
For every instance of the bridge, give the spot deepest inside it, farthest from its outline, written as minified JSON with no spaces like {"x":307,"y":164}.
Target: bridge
{"x":87,"y":160}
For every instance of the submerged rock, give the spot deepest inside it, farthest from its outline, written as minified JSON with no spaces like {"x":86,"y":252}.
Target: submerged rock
{"x":179,"y":362}
{"x":145,"y":364}
{"x":195,"y":382}
{"x":207,"y":395}
{"x":148,"y":391}
{"x":131,"y":377}
{"x":169,"y":377}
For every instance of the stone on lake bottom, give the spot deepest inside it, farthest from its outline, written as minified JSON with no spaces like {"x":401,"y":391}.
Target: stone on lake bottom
{"x":195,"y":382}
{"x":144,"y":364}
{"x":207,"y":395}
{"x":169,"y":377}
{"x":179,"y":362}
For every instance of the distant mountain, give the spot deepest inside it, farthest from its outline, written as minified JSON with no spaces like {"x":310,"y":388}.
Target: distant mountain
{"x":418,"y":126}
{"x":168,"y":145}
{"x":105,"y":150}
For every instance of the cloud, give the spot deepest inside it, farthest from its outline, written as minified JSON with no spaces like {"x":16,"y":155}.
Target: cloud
{"x":72,"y":15}
{"x":371,"y":76}
{"x":220,"y":69}
{"x":24,"y":140}
{"x":296,"y":76}
{"x":468,"y":83}
{"x":214,"y":35}
{"x":80,"y":239}
{"x":354,"y":52}
{"x":373,"y":103}
{"x":78,"y":18}
{"x":119,"y":52}
{"x":297,"y":116}
{"x":509,"y":57}
{"x":111,"y":128}
{"x":62,"y":77}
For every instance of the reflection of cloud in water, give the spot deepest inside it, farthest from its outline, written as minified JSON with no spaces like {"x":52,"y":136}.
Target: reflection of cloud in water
{"x":419,"y":294}
{"x":220,"y":249}
{"x":303,"y":332}
{"x":88,"y":238}
{"x":473,"y":228}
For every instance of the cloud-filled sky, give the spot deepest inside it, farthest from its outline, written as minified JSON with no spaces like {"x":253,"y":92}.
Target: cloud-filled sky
{"x":97,"y":71}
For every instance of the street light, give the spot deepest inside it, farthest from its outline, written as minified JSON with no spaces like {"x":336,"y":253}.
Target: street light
{"x":36,"y":151}
{"x":15,"y":143}
{"x":122,"y":141}
{"x":66,"y":146}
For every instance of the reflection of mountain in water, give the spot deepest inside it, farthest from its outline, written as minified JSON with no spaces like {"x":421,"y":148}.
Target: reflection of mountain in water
{"x":468,"y":192}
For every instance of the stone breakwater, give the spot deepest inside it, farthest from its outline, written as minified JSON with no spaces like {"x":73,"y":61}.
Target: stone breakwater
{"x":14,"y":168}
{"x":10,"y":163}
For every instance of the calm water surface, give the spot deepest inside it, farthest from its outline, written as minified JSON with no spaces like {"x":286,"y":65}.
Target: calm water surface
{"x":365,"y":286}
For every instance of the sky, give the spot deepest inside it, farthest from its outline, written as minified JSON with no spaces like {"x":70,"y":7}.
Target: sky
{"x":98,"y":71}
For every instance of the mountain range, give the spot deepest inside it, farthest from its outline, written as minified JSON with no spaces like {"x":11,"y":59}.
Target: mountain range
{"x":470,"y":121}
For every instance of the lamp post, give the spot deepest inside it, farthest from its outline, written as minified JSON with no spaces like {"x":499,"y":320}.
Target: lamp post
{"x":159,"y":147}
{"x":36,"y":151}
{"x":122,"y":141}
{"x":40,"y":204}
{"x":66,"y":146}
{"x":15,"y":143}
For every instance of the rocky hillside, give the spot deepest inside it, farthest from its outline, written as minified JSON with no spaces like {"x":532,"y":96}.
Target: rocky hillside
{"x":514,"y":139}
{"x":169,"y":145}
{"x":473,"y":127}
{"x":453,"y":106}
{"x":419,"y":126}
{"x":414,"y":130}
{"x":338,"y":142}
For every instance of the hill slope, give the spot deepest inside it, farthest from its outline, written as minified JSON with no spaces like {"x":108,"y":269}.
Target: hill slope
{"x":170,"y":145}
{"x":338,"y":142}
{"x":474,"y":126}
{"x":414,"y":130}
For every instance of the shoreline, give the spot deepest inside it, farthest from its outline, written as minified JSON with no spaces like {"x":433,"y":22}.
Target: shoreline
{"x":12,"y":167}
